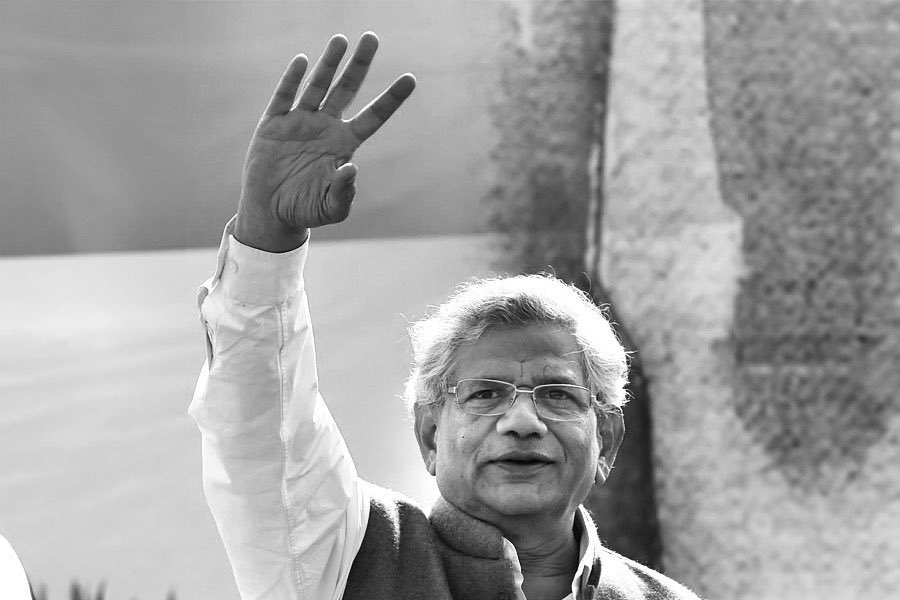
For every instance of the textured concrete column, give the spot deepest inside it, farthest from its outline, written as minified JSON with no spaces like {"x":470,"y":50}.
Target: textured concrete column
{"x":671,"y":259}
{"x":763,"y":296}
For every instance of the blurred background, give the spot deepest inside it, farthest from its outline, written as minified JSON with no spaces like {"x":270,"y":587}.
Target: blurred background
{"x":723,"y":175}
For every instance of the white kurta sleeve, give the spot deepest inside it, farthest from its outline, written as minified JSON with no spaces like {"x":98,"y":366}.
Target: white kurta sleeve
{"x":278,"y":476}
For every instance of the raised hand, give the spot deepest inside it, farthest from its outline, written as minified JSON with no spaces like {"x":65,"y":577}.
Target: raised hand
{"x":298,"y":174}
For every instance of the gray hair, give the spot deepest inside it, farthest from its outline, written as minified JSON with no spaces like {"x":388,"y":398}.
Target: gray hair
{"x":482,"y":305}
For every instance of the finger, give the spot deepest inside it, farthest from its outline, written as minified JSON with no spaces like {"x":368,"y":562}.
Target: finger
{"x":320,"y":80}
{"x":372,"y":117}
{"x":283,"y":98}
{"x":341,"y":192}
{"x":352,"y":77}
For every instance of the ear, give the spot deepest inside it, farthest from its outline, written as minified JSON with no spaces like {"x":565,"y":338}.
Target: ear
{"x":610,"y":431}
{"x":426,"y":425}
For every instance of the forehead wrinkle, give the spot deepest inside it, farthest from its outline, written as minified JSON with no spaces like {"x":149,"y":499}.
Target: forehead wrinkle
{"x":566,"y":371}
{"x":551,"y":362}
{"x":581,"y":359}
{"x":493,"y":368}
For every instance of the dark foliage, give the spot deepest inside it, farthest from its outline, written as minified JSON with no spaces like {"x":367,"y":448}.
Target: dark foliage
{"x":80,"y":591}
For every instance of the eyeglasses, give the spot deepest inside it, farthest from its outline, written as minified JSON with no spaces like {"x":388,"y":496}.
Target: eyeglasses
{"x":490,"y":398}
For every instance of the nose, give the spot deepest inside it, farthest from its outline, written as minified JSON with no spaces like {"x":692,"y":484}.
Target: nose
{"x":522,"y":419}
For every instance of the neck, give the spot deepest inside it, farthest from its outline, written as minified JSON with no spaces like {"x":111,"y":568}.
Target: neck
{"x":545,"y":549}
{"x":549,"y":558}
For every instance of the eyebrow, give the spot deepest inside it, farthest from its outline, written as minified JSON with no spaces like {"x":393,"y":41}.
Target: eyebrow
{"x":558,"y":378}
{"x":542,"y":379}
{"x":560,"y":372}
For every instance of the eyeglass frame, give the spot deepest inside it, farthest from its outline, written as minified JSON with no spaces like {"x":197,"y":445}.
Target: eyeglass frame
{"x":452,"y":389}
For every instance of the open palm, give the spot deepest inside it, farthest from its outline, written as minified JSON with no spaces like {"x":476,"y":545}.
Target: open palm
{"x":297,"y":173}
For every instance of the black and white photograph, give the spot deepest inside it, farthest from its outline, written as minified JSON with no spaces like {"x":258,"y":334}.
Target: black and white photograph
{"x":449,"y":299}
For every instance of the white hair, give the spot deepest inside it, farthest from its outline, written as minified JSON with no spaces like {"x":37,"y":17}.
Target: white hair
{"x":482,"y":305}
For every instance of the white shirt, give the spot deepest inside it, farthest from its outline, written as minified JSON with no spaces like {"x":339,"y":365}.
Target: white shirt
{"x":279,"y":479}
{"x":13,"y":581}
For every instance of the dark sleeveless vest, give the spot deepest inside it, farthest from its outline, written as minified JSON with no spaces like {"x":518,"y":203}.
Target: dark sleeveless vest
{"x":452,"y":556}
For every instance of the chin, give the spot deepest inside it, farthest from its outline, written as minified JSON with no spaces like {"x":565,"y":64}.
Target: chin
{"x":520,"y":503}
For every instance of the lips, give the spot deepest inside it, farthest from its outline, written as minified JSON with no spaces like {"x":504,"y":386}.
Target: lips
{"x":522,"y":459}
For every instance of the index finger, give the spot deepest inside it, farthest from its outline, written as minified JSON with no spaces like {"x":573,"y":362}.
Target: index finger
{"x":286,"y":90}
{"x":368,"y":120}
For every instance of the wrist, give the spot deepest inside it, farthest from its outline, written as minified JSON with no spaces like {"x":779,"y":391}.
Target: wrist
{"x":267,"y":234}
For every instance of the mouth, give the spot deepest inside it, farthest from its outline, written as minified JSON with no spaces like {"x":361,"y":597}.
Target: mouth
{"x":522,"y":460}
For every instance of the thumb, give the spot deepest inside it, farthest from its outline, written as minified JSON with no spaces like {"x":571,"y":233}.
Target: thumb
{"x":341,"y":192}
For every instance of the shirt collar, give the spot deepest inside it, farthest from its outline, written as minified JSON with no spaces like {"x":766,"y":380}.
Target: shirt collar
{"x":589,"y":549}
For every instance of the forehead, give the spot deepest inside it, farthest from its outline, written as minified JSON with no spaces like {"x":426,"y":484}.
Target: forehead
{"x":530,"y":352}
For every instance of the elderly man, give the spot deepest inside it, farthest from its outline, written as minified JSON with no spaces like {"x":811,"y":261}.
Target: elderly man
{"x":516,"y":388}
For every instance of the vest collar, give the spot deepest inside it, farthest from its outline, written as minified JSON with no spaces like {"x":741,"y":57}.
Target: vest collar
{"x":465,"y":533}
{"x":474,"y":537}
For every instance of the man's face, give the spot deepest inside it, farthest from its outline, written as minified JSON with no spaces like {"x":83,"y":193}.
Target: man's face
{"x":516,"y":464}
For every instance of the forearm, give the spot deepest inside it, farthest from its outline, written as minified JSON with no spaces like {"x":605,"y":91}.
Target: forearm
{"x":272,"y":454}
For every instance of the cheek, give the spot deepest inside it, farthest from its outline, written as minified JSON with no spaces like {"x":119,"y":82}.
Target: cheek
{"x":455,"y":475}
{"x":454,"y":444}
{"x":460,"y":444}
{"x":583,"y":443}
{"x":457,"y":448}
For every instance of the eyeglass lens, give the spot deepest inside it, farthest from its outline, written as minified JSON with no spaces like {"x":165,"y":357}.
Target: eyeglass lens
{"x":554,"y":401}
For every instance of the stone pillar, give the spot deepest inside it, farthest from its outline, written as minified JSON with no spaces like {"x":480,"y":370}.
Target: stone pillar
{"x":671,"y":258}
